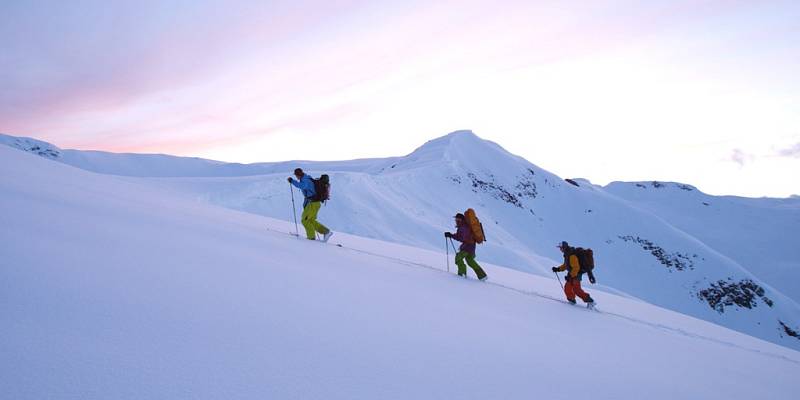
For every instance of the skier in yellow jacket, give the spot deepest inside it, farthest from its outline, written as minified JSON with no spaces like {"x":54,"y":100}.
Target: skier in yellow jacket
{"x":572,"y":287}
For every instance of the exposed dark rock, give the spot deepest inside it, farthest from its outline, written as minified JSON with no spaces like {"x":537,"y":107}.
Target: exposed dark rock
{"x":789,"y":331}
{"x":527,"y":186}
{"x":494,"y":189}
{"x":744,"y":293}
{"x":677,"y":260}
{"x":572,"y":182}
{"x":32,"y":147}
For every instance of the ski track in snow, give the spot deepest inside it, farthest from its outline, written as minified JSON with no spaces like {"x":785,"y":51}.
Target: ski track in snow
{"x":530,"y":293}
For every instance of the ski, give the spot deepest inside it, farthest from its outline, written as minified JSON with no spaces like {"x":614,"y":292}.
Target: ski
{"x":588,"y":307}
{"x":299,"y":237}
{"x":485,"y":280}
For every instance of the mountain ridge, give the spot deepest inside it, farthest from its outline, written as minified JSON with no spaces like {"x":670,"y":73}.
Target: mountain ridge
{"x":267,"y":167}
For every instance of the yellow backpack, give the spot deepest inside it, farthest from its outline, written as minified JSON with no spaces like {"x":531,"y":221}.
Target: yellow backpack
{"x":475,"y":226}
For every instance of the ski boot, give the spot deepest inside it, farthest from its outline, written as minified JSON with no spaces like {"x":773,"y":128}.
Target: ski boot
{"x":590,"y":303}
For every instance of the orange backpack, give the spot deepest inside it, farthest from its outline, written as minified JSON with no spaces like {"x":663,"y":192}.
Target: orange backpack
{"x":475,"y":226}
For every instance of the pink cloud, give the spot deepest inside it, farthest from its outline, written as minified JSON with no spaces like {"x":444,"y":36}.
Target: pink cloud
{"x":228,"y":73}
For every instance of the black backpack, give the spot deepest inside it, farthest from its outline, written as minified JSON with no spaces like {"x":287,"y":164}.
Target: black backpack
{"x":322,"y":187}
{"x":585,"y":259}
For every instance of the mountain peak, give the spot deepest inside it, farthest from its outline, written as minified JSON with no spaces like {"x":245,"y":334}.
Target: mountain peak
{"x":455,"y":145}
{"x":462,"y":133}
{"x":460,"y":136}
{"x":458,"y":148}
{"x":455,"y":141}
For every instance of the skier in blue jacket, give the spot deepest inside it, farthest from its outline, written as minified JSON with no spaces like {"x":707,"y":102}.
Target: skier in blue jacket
{"x":311,"y":206}
{"x":305,"y":184}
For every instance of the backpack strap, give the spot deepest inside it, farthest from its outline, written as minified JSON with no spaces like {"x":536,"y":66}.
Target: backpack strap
{"x":567,"y":253}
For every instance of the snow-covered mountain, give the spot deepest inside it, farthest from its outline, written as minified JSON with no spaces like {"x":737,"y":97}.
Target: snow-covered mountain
{"x":128,"y":164}
{"x":641,"y":251}
{"x":760,"y":234}
{"x":148,"y":165}
{"x":114,"y":288}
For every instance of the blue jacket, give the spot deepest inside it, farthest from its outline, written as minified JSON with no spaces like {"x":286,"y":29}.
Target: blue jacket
{"x":306,"y":185}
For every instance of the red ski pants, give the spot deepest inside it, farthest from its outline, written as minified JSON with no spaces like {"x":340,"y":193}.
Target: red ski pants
{"x":572,"y":288}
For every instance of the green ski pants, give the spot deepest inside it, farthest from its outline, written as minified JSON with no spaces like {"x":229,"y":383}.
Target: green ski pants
{"x":309,"y":220}
{"x":462,"y":269}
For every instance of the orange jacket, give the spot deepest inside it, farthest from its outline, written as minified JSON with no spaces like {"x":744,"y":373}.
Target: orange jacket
{"x":574,"y":266}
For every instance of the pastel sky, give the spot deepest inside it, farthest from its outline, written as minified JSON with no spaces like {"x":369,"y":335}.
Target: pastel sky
{"x":703,"y":92}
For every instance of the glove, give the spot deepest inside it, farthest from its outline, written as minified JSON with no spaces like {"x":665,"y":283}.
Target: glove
{"x":591,"y":279}
{"x":555,"y":269}
{"x":448,"y":235}
{"x":289,"y":179}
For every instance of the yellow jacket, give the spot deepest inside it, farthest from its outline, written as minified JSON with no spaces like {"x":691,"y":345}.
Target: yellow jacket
{"x":575,"y":266}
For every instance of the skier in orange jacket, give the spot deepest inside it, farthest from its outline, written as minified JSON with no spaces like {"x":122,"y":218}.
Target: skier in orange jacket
{"x":572,"y":287}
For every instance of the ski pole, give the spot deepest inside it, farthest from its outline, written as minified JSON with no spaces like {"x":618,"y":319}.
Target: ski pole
{"x":447,"y":251}
{"x":559,"y":280}
{"x":294,"y":211}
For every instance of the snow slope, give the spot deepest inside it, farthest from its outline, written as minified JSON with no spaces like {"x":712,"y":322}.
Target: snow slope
{"x":115,"y":289}
{"x":526,"y":211}
{"x":760,"y":234}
